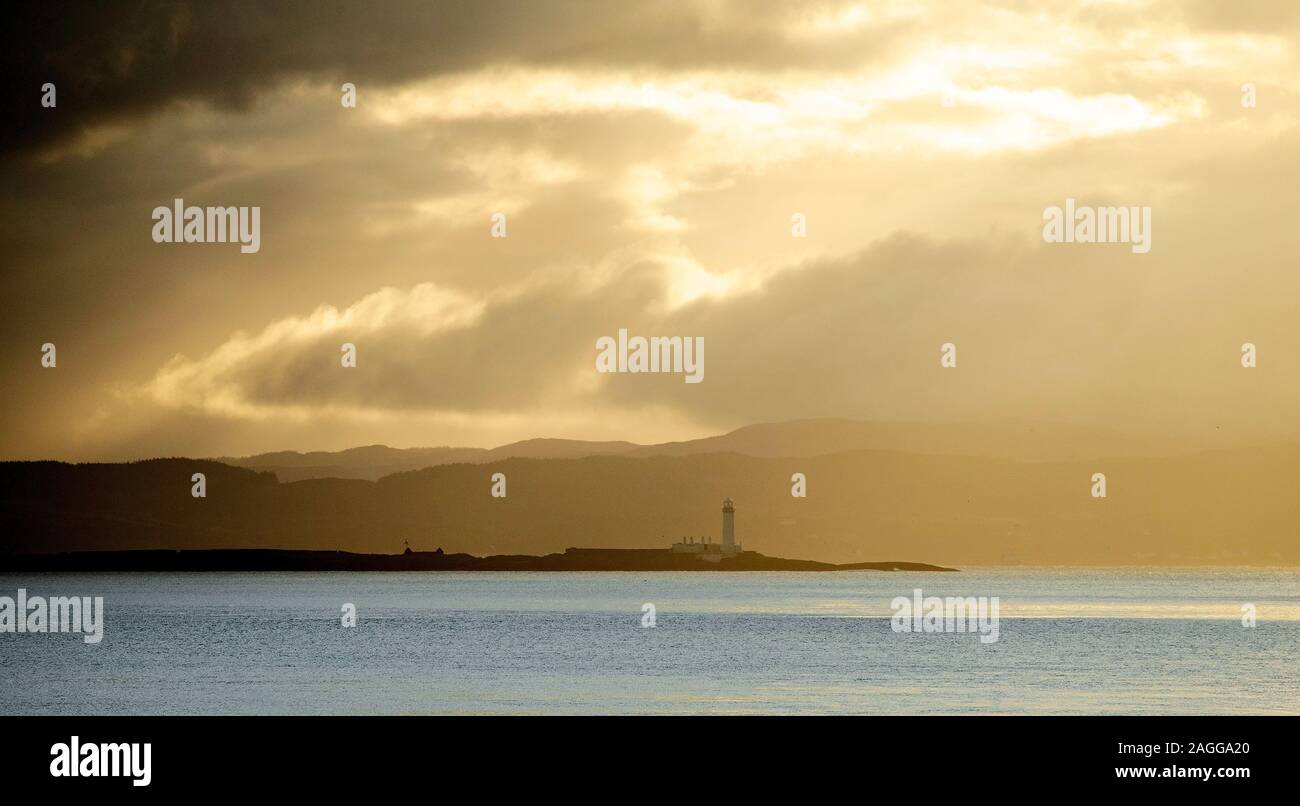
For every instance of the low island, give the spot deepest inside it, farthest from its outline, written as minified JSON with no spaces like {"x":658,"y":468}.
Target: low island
{"x":574,"y":559}
{"x":689,"y":554}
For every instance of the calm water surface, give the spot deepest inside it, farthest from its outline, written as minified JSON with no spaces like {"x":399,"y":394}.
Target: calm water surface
{"x":1124,"y":641}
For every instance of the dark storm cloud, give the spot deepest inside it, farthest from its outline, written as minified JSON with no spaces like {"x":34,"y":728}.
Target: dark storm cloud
{"x":115,"y":60}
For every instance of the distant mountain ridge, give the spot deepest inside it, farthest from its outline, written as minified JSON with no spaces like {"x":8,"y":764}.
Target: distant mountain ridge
{"x":373,"y":462}
{"x":1003,"y":439}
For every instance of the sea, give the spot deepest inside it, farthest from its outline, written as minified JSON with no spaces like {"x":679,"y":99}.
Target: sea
{"x":1069,"y":641}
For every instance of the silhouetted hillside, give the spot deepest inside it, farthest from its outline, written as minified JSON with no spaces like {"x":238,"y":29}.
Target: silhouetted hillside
{"x":1235,"y":506}
{"x":1004,"y":439}
{"x":373,"y":462}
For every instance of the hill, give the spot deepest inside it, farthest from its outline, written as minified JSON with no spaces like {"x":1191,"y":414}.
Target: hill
{"x":1214,"y":507}
{"x":1005,"y":439}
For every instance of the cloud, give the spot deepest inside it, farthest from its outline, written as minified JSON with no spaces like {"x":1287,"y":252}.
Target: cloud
{"x":254,"y":377}
{"x":119,"y":61}
{"x":650,"y":157}
{"x":754,"y":118}
{"x":123,"y":59}
{"x":854,"y":336}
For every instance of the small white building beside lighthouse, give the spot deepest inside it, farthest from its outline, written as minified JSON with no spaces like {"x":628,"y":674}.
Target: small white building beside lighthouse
{"x":705,"y":548}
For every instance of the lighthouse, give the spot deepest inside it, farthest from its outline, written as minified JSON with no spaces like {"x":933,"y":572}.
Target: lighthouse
{"x":704,"y":548}
{"x":728,"y":525}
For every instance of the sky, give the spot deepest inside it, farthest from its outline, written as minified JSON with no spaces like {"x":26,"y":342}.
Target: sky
{"x":656,"y":164}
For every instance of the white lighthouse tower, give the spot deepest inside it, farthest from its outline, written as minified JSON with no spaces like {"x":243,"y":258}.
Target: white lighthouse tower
{"x":704,"y":548}
{"x":728,"y":525}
